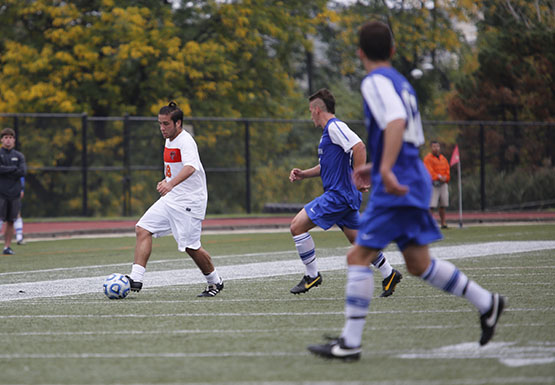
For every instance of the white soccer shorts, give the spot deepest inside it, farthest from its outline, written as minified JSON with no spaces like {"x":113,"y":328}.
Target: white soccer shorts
{"x":161,"y":219}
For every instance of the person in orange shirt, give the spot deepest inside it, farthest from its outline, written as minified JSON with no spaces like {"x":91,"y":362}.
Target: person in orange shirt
{"x":440,"y":171}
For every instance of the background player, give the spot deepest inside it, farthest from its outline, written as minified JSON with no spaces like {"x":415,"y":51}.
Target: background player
{"x":12,"y":168}
{"x":340,"y":150}
{"x":182,"y":204}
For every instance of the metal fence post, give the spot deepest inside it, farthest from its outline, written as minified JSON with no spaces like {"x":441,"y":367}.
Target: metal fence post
{"x":482,"y":170}
{"x":126,"y":168}
{"x":16,"y":129}
{"x":248,"y":166}
{"x":84,"y":165}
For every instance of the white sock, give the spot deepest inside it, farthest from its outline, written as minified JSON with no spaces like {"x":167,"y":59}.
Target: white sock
{"x":137,"y":273}
{"x":358,"y":293}
{"x":213,"y":278}
{"x":305,"y":247}
{"x":382,"y":264}
{"x":18,"y":226}
{"x":445,"y":276}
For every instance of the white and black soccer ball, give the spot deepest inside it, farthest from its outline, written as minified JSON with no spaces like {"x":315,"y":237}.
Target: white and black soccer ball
{"x":116,"y":286}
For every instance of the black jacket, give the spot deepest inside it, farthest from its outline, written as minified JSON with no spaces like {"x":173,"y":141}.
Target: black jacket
{"x":12,"y":168}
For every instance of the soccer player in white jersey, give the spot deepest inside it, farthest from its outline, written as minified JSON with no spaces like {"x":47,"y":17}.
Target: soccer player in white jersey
{"x":181,"y":207}
{"x":339,"y":150}
{"x":398,"y":209}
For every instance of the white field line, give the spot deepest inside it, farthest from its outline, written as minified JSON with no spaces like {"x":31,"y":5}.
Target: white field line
{"x":162,"y":261}
{"x":75,"y":286}
{"x":389,"y":327}
{"x":76,"y":301}
{"x":456,"y":381}
{"x":256,"y":314}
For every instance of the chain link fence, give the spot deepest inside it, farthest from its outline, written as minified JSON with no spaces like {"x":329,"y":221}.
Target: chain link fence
{"x":80,"y":165}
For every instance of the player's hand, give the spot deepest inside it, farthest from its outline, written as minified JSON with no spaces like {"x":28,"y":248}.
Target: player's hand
{"x":391,"y":184}
{"x":364,"y":188}
{"x":163,"y":187}
{"x":296,"y":174}
{"x":361,"y":177}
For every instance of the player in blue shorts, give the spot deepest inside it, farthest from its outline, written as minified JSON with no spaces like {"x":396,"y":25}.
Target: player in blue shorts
{"x":398,"y":209}
{"x":339,"y":150}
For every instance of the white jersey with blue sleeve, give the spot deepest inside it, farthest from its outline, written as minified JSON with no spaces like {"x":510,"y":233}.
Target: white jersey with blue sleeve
{"x":335,"y":157}
{"x":388,"y":96}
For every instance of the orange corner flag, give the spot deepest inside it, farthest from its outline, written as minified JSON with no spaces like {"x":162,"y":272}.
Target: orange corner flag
{"x":455,"y":157}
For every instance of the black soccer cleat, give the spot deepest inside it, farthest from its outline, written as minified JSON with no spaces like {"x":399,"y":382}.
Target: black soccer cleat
{"x":8,"y":251}
{"x":390,"y":282}
{"x":488,"y":320}
{"x":135,"y":285}
{"x":306,"y":284}
{"x":336,"y":349}
{"x":212,"y":290}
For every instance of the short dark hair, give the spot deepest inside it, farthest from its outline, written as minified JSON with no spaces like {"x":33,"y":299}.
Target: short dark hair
{"x":7,"y":131}
{"x":376,"y":40}
{"x":327,"y":97}
{"x":434,"y":141}
{"x":173,"y":111}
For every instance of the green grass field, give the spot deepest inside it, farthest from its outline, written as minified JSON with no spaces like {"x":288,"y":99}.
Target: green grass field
{"x":255,"y":331}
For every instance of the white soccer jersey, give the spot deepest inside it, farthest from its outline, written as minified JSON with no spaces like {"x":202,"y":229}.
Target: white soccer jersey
{"x":190,"y":195}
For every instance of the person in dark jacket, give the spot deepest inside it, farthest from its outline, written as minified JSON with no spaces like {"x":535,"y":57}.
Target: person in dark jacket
{"x":12,"y":168}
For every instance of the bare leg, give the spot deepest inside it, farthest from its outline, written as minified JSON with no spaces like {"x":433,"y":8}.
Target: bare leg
{"x":8,"y":234}
{"x":202,"y":260}
{"x":301,"y":223}
{"x":351,"y":235}
{"x":143,"y":246}
{"x":442,"y":216}
{"x":417,"y":259}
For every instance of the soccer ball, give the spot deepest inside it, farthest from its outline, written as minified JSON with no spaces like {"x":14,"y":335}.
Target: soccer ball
{"x":116,"y":286}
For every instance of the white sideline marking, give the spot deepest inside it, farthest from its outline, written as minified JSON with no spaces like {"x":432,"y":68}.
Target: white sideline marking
{"x":244,"y":331}
{"x":262,"y":314}
{"x":506,"y":352}
{"x":76,"y":286}
{"x":151,"y":355}
{"x":160,"y":261}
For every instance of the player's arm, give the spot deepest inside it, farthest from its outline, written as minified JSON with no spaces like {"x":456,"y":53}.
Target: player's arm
{"x":359,"y":160}
{"x":298,"y":174}
{"x":165,"y":187}
{"x":21,"y":169}
{"x":430,"y":168}
{"x":7,"y":168}
{"x":361,"y":175}
{"x":393,"y":140}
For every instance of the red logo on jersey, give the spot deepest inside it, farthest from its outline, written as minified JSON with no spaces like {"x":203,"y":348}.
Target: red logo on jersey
{"x":172,"y":155}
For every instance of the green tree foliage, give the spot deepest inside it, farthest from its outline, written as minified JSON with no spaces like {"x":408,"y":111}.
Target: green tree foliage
{"x":514,"y":75}
{"x":511,"y":78}
{"x":109,"y":58}
{"x":424,"y":33}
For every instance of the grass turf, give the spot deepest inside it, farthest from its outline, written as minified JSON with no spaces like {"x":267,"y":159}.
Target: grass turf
{"x":256,"y":332}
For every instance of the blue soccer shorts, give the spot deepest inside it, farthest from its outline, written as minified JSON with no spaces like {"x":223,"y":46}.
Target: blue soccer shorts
{"x":404,"y":225}
{"x":331,"y":209}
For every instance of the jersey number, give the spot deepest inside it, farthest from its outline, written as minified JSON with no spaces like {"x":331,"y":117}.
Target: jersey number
{"x":413,"y":133}
{"x":168,"y":171}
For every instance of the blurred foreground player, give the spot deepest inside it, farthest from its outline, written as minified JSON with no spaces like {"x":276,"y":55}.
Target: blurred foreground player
{"x":398,"y":208}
